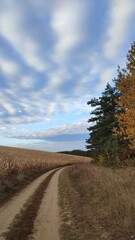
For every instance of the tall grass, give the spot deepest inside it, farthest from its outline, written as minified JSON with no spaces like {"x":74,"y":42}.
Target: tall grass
{"x":102,"y":202}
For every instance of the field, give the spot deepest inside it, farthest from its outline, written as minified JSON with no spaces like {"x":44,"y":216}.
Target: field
{"x":97,"y":203}
{"x":17,"y":165}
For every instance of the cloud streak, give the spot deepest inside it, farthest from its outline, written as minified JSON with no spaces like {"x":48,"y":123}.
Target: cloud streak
{"x":55,"y":56}
{"x":14,"y":30}
{"x":119,"y":24}
{"x":69,"y":132}
{"x":67,"y":22}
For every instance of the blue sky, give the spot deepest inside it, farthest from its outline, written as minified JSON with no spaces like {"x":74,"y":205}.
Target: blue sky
{"x":54,"y":57}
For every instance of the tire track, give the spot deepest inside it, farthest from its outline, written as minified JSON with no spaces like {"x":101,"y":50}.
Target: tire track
{"x":12,"y":209}
{"x":23,"y":224}
{"x":47,"y":223}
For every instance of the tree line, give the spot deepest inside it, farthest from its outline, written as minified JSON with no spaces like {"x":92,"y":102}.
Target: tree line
{"x":76,"y":152}
{"x":112,"y":121}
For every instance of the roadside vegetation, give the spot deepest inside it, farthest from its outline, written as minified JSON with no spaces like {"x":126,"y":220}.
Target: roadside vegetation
{"x":20,"y":166}
{"x":98,"y":200}
{"x":112,"y":121}
{"x":97,"y":203}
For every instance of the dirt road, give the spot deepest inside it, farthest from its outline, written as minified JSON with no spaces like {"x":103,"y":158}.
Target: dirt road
{"x":34,"y":212}
{"x":48,"y":222}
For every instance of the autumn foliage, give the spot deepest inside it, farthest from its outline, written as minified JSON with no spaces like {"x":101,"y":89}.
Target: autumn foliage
{"x":126,"y":101}
{"x":112,"y":132}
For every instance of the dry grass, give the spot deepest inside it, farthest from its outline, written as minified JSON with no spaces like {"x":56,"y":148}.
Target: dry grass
{"x":97,"y":203}
{"x":17,"y":164}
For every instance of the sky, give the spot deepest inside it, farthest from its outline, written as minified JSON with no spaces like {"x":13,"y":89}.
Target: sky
{"x":55,"y":55}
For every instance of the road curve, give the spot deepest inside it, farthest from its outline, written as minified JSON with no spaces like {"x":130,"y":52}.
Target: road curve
{"x":47,"y":222}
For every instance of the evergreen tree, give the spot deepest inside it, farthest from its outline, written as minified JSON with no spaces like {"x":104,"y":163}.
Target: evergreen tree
{"x":103,"y":120}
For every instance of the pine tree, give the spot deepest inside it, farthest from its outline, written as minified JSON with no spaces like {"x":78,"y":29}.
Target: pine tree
{"x":103,"y":121}
{"x":126,"y":101}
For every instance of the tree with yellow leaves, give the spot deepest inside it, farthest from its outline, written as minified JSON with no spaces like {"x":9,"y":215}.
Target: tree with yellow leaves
{"x":126,"y":101}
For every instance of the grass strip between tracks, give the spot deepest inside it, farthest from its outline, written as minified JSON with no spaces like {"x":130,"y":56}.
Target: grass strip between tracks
{"x":23,"y":224}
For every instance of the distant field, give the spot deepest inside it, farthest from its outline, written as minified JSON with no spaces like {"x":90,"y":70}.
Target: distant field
{"x":16,"y":162}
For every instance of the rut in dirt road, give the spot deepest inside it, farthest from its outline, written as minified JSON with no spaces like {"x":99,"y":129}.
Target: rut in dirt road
{"x":47,"y":223}
{"x":21,"y":224}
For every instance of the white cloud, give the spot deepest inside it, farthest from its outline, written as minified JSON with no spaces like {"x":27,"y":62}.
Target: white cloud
{"x":51,"y":109}
{"x":63,"y":107}
{"x":79,"y":127}
{"x":58,"y":34}
{"x":30,"y":54}
{"x":9,"y":108}
{"x":106,"y":76}
{"x":55,"y":79}
{"x":120,"y":13}
{"x":26,"y":82}
{"x":8,"y":67}
{"x":2,"y":128}
{"x":12,"y":28}
{"x":74,"y":128}
{"x":67,"y":22}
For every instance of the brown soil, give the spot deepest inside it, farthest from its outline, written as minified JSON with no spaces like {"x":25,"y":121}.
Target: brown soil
{"x":19,"y":214}
{"x":48,"y":221}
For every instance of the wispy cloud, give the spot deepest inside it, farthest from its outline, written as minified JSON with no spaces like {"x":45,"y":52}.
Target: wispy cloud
{"x":14,"y":29}
{"x":55,"y":56}
{"x":68,"y":19}
{"x":120,"y":14}
{"x":8,"y":67}
{"x":69,"y":132}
